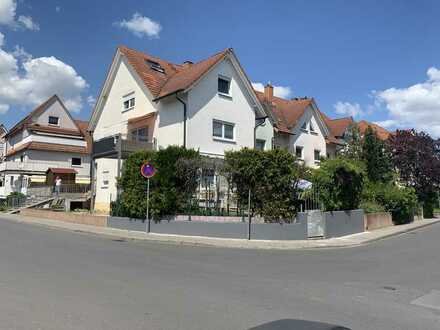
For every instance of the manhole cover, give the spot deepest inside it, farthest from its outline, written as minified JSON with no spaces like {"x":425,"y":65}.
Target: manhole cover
{"x":430,"y":300}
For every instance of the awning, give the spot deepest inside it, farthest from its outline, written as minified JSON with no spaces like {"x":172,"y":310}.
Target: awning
{"x":58,"y":170}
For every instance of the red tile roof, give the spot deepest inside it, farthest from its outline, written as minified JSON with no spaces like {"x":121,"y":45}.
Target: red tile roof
{"x":287,"y":112}
{"x":339,"y":126}
{"x":176,"y":77}
{"x":47,"y":147}
{"x":381,"y":132}
{"x":54,"y":129}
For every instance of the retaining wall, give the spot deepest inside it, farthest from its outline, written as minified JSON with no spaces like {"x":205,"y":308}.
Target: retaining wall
{"x":341,"y":223}
{"x":378,"y":220}
{"x":81,"y":218}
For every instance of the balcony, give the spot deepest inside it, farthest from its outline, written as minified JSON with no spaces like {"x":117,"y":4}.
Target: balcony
{"x":28,"y":166}
{"x":119,"y":147}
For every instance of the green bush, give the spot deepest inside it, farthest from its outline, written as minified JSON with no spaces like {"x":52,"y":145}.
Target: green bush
{"x":340,"y":184}
{"x":372,"y":207}
{"x":401,"y":202}
{"x":169,"y":188}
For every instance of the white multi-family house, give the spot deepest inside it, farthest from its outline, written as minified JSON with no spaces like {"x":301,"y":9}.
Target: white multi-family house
{"x":3,"y":132}
{"x":47,"y":143}
{"x":300,"y":127}
{"x":149,"y":103}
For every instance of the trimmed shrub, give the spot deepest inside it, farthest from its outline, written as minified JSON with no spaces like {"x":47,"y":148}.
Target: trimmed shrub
{"x":340,"y":183}
{"x":372,"y":207}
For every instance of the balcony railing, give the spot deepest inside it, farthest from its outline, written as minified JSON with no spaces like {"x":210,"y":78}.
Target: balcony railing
{"x":28,"y":166}
{"x":121,"y":145}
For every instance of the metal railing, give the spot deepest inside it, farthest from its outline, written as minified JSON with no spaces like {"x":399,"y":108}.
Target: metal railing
{"x":65,"y":189}
{"x":124,"y":144}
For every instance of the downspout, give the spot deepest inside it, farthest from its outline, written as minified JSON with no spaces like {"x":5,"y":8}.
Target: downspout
{"x":184,"y":118}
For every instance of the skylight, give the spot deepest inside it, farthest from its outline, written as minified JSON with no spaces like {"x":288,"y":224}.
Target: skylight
{"x":155,"y":66}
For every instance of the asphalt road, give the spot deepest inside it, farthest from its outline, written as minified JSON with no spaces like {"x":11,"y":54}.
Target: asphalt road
{"x":53,"y":279}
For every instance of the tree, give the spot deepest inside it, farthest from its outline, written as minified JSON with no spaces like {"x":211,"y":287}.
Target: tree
{"x":340,"y":183}
{"x":376,"y":156}
{"x":416,"y":156}
{"x":353,"y":147}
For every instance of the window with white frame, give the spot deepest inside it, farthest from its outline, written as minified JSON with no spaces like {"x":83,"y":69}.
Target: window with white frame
{"x":299,"y":152}
{"x":304,"y":126}
{"x":128,"y":102}
{"x":54,"y":120}
{"x":260,"y":144}
{"x":105,"y":178}
{"x":139,"y":134}
{"x":317,"y":155}
{"x":224,"y":85}
{"x":223,"y":130}
{"x":312,"y":128}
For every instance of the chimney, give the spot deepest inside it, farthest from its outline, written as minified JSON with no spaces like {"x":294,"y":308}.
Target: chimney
{"x":187,"y":64}
{"x":268,"y":91}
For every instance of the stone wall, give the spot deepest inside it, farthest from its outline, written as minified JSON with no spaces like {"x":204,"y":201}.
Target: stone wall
{"x":378,"y":220}
{"x":80,"y":218}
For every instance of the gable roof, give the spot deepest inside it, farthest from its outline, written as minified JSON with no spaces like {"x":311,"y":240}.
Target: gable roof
{"x":27,"y":122}
{"x":176,"y":77}
{"x":286,"y":112}
{"x":381,"y":132}
{"x":172,"y":78}
{"x":338,"y":126}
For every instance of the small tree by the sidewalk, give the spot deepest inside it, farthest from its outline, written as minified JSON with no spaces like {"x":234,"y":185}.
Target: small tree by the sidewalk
{"x":340,"y":182}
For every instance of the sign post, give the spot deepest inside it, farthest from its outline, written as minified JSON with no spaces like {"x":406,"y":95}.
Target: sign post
{"x":148,"y":171}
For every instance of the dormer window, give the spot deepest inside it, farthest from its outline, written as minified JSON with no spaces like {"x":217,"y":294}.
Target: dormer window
{"x":311,"y":127}
{"x":304,"y":126}
{"x":155,"y":66}
{"x":54,"y":120}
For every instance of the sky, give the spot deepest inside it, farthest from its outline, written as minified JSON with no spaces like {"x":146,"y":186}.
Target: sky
{"x":373,"y":60}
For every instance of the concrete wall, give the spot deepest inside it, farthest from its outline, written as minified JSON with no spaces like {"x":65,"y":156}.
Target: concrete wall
{"x":265,"y":133}
{"x":81,"y":218}
{"x":264,"y":231}
{"x":378,"y":220}
{"x":341,"y":223}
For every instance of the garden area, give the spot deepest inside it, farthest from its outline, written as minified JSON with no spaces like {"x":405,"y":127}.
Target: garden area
{"x":400,"y":176}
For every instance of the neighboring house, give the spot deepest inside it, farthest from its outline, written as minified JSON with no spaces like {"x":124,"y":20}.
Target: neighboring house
{"x":381,"y":132}
{"x":47,"y":143}
{"x":149,"y":103}
{"x":299,"y":127}
{"x":3,"y":132}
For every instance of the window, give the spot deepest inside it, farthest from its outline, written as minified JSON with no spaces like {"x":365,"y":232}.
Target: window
{"x":223,"y":85}
{"x":129,"y":103}
{"x":155,"y":66}
{"x":22,"y":158}
{"x":299,"y":152}
{"x":311,"y":128}
{"x":223,"y":130}
{"x":317,"y":155}
{"x":54,"y":120}
{"x":12,"y":181}
{"x":260,"y":144}
{"x":76,"y":161}
{"x":140,"y":134}
{"x":304,"y":126}
{"x":105,"y":179}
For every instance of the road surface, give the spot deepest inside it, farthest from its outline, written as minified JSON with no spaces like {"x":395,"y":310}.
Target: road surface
{"x":54,"y":279}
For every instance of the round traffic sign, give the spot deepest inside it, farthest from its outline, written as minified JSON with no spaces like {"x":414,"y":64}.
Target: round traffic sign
{"x":148,"y":170}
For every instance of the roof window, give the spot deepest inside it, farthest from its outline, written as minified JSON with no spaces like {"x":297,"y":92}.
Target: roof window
{"x":155,"y":66}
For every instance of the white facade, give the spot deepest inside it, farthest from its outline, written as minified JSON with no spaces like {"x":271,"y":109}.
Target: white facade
{"x":205,"y":107}
{"x":29,"y":153}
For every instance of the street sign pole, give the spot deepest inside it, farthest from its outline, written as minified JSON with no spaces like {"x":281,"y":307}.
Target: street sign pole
{"x":148,"y":206}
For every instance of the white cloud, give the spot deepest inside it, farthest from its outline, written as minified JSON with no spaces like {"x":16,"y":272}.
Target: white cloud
{"x":141,"y":26}
{"x":28,"y":23}
{"x":91,"y":100}
{"x":3,"y":108}
{"x":283,"y":92}
{"x":416,"y":106}
{"x":2,"y":39}
{"x":27,"y":81}
{"x":348,"y":109}
{"x":7,"y":17}
{"x":57,"y":9}
{"x":387,"y":123}
{"x":7,"y":11}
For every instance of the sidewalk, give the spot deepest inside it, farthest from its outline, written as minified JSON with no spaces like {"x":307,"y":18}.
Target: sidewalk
{"x":340,"y":242}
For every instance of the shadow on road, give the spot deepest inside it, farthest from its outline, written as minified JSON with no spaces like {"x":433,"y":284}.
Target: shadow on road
{"x":290,"y":324}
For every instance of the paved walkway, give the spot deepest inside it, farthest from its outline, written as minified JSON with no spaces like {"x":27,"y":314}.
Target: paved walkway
{"x":340,"y":242}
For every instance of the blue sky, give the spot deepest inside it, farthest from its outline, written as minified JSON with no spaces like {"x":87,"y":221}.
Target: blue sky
{"x":377,"y":60}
